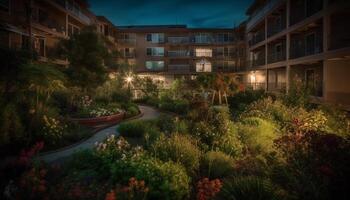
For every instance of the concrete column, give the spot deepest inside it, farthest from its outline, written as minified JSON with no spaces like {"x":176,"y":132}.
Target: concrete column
{"x":288,"y":78}
{"x":287,"y":13}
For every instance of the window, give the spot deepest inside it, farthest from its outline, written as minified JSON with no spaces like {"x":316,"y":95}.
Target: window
{"x":72,"y":29}
{"x":204,"y":52}
{"x":203,"y":66}
{"x":203,"y":38}
{"x":5,"y":5}
{"x":155,"y":65}
{"x":155,"y":51}
{"x":155,"y":37}
{"x":225,"y":51}
{"x":224,"y":37}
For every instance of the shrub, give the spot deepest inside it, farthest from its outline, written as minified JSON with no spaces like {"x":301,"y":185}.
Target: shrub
{"x":271,"y":110}
{"x":166,"y":180}
{"x":169,"y":124}
{"x":241,"y":100}
{"x":248,"y":188}
{"x":180,"y":149}
{"x":134,"y":128}
{"x":317,"y":165}
{"x":216,"y":164}
{"x":257,"y":134}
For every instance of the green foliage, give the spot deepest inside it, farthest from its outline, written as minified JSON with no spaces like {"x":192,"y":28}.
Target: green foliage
{"x":257,"y":135}
{"x":239,"y":102}
{"x":248,"y":188}
{"x":218,"y":131}
{"x":180,"y":149}
{"x":297,"y":96}
{"x":169,"y":124}
{"x":337,"y":120}
{"x":316,"y":167}
{"x":271,"y":110}
{"x":138,"y":129}
{"x":166,"y":180}
{"x":178,"y":106}
{"x":149,"y":88}
{"x":86,"y":53}
{"x":216,"y":164}
{"x":11,"y":127}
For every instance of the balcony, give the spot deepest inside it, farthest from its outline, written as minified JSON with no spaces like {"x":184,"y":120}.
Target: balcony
{"x":179,"y":53}
{"x":178,"y":40}
{"x":276,"y":57}
{"x":258,"y":37}
{"x":257,"y":62}
{"x":276,"y":87}
{"x":129,"y":55}
{"x":254,"y":19}
{"x":74,"y":10}
{"x":256,"y":86}
{"x":179,"y":68}
{"x":127,"y":41}
{"x":301,"y":10}
{"x":275,"y":28}
{"x":305,"y":47}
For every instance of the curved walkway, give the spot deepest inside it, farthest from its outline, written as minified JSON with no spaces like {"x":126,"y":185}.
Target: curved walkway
{"x":148,"y":113}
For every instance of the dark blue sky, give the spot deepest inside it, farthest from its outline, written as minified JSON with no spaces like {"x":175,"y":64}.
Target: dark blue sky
{"x":194,"y":13}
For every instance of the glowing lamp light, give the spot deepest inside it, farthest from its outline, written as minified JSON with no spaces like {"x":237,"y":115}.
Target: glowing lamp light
{"x":128,"y":79}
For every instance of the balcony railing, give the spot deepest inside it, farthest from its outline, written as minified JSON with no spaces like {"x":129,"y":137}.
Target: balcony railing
{"x":256,"y":86}
{"x":74,"y":10}
{"x":299,"y":13}
{"x":276,"y":87}
{"x":276,"y":57}
{"x":203,"y":54}
{"x":179,"y":53}
{"x":127,"y":41}
{"x":129,"y":55}
{"x":276,"y":28}
{"x":257,"y":62}
{"x":178,"y":40}
{"x":305,"y":50}
{"x":179,"y":67}
{"x":257,"y":38}
{"x":261,"y":13}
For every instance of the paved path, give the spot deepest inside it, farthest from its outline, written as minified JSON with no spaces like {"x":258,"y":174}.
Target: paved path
{"x":148,"y":113}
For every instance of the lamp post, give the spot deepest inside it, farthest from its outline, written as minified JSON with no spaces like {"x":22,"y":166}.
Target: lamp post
{"x":128,"y":79}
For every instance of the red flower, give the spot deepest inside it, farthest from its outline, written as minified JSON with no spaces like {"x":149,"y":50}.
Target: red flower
{"x":111,"y":195}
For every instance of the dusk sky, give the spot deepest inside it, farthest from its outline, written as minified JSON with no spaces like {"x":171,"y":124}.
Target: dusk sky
{"x":194,"y":13}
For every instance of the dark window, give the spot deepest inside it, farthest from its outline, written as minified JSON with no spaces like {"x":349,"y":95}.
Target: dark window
{"x":149,"y":37}
{"x":4,"y":38}
{"x":149,"y":51}
{"x":4,"y":5}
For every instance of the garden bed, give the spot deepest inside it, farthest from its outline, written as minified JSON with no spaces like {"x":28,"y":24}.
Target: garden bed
{"x":98,"y":121}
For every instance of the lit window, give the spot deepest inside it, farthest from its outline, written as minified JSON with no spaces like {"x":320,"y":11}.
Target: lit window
{"x":155,"y":65}
{"x":155,"y":51}
{"x":203,"y":66}
{"x":204,"y":52}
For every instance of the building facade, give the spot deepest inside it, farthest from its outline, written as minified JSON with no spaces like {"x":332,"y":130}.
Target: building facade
{"x":300,"y":41}
{"x":47,"y":21}
{"x":172,"y":51}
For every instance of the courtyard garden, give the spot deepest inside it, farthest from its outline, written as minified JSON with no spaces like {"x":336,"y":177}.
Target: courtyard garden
{"x":211,"y":138}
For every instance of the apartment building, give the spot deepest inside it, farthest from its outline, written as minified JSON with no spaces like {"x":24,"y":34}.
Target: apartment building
{"x":47,"y":21}
{"x":308,"y":41}
{"x":168,"y":52}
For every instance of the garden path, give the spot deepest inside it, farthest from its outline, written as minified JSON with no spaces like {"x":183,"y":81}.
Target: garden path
{"x":148,"y":113}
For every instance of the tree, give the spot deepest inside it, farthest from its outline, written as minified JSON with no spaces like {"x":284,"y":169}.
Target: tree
{"x":86,"y":54}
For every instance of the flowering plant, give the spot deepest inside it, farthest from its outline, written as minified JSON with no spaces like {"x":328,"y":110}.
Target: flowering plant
{"x":53,"y":128}
{"x":207,"y":189}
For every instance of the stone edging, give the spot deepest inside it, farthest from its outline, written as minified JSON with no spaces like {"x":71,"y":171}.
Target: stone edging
{"x":94,"y":132}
